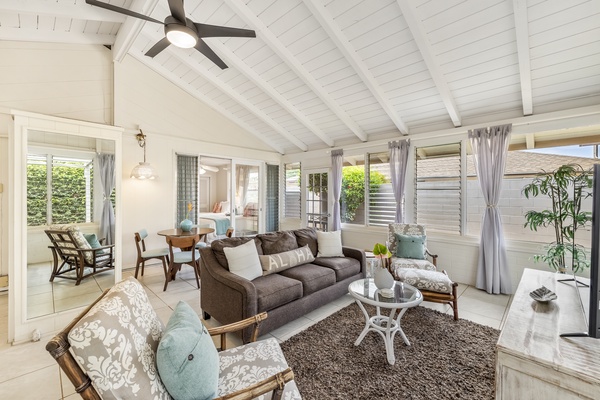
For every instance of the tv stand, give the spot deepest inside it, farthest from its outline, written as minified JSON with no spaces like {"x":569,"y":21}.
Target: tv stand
{"x":532,"y":360}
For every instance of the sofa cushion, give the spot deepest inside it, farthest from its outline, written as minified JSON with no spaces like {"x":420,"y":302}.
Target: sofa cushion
{"x":186,"y":358}
{"x":344,"y":267}
{"x":313,"y":277}
{"x":422,"y":279}
{"x":276,"y":290}
{"x":218,"y":245}
{"x":329,"y":244}
{"x":307,"y":236}
{"x":278,"y":242}
{"x":410,"y":246}
{"x":243,"y":260}
{"x":116,"y":342}
{"x":273,"y":263}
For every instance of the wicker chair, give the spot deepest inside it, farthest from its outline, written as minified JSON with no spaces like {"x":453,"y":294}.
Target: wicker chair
{"x":420,"y":272}
{"x":69,"y":254}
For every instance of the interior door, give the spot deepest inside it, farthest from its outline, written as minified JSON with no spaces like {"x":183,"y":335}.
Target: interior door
{"x":317,"y":209}
{"x":204,"y":194}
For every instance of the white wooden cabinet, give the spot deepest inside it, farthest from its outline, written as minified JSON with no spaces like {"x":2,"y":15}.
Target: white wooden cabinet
{"x":532,"y":360}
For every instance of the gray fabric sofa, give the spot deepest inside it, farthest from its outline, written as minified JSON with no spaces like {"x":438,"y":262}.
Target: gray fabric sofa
{"x":286,"y":295}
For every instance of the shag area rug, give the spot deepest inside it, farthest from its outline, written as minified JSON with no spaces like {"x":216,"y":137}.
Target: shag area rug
{"x":447,"y":359}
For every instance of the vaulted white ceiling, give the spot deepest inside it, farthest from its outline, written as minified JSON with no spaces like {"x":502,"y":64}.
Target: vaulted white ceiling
{"x":324,"y":73}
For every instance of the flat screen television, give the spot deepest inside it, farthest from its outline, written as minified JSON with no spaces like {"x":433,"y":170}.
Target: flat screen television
{"x":592,"y":307}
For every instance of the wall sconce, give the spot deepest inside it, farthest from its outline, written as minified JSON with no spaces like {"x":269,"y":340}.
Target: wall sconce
{"x":143,"y":170}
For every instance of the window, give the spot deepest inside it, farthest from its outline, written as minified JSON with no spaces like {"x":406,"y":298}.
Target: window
{"x":352,"y":197}
{"x":316,"y":201}
{"x":437,"y":188}
{"x":59,"y":189}
{"x":382,"y":203}
{"x":292,"y":191}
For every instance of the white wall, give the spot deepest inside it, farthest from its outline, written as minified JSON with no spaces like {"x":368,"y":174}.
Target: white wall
{"x":71,"y":81}
{"x":174,"y":122}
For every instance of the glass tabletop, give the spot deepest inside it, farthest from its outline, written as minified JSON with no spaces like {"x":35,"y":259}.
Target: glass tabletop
{"x":404,"y":295}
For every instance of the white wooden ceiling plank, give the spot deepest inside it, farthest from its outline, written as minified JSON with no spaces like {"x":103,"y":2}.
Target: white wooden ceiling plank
{"x":393,"y":68}
{"x":257,"y":56}
{"x":565,"y":18}
{"x":567,"y":56}
{"x":566,"y":31}
{"x":77,"y":25}
{"x":131,"y":28}
{"x":470,"y":99}
{"x":477,"y":51}
{"x":34,"y":35}
{"x":338,"y":7}
{"x":91,"y":27}
{"x":289,"y":35}
{"x":334,"y":57}
{"x":571,"y":95}
{"x":422,"y":41}
{"x":305,"y":42}
{"x":27,"y":21}
{"x":72,"y":10}
{"x":294,"y":16}
{"x":566,"y":81}
{"x":233,"y":60}
{"x":485,"y":64}
{"x":506,"y":84}
{"x":396,"y":45}
{"x":488,"y":79}
{"x":572,"y":66}
{"x":346,"y":48}
{"x":275,"y":11}
{"x":429,"y":118}
{"x":107,"y":28}
{"x":424,"y":93}
{"x":424,"y":88}
{"x":9,"y":19}
{"x":490,"y":107}
{"x":46,"y":23}
{"x":413,"y":72}
{"x":565,"y":44}
{"x":522,"y":37}
{"x":367,"y":17}
{"x":429,"y":9}
{"x":306,"y":99}
{"x":207,"y":100}
{"x":546,"y":8}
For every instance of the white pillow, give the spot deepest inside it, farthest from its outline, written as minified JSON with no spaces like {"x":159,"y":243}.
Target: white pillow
{"x":243,"y":260}
{"x":225,"y":207}
{"x":329,"y":244}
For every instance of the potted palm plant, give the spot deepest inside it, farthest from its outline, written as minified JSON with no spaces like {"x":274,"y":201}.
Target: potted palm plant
{"x":566,"y":187}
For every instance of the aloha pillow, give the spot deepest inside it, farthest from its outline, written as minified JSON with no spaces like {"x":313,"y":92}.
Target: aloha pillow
{"x":186,"y":358}
{"x":116,"y":342}
{"x":410,"y":246}
{"x":273,"y":263}
{"x":329,"y":244}
{"x":92,"y":239}
{"x":243,"y":260}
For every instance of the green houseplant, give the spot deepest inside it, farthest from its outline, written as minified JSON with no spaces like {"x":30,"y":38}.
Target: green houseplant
{"x":566,"y":187}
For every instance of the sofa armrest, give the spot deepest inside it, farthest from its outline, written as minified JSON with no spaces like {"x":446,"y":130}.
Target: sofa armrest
{"x":225,"y":295}
{"x":358,"y":254}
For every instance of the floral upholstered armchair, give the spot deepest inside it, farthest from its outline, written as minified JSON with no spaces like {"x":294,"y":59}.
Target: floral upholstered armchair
{"x":119,"y":348}
{"x":411,"y":264}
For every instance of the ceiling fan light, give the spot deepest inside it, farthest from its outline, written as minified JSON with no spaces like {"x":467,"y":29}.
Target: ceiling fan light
{"x":181,"y":36}
{"x":202,"y":171}
{"x":143,"y":171}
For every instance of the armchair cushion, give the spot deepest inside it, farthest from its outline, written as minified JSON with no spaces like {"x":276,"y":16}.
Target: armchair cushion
{"x":186,"y":358}
{"x":433,"y":281}
{"x":412,"y":263}
{"x":116,"y":342}
{"x":410,"y":246}
{"x":274,"y":263}
{"x":246,"y":365}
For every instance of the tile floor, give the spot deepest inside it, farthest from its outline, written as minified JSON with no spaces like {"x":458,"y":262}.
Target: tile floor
{"x":27,"y":371}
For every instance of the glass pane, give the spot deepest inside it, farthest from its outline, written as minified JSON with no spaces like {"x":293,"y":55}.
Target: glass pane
{"x":272,"y":203}
{"x":382,"y":203}
{"x":352,"y":198}
{"x":316,"y":201}
{"x":246,"y":199}
{"x":292,"y":190}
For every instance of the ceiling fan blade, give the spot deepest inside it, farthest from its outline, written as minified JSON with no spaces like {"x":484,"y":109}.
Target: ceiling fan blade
{"x":158,"y":47}
{"x":121,"y":10}
{"x":177,"y":10}
{"x":203,"y":48}
{"x":205,"y":30}
{"x":210,"y":168}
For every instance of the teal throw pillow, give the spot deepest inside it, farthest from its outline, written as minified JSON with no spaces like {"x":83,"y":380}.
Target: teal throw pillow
{"x":186,"y":358}
{"x":410,"y":246}
{"x":92,"y":239}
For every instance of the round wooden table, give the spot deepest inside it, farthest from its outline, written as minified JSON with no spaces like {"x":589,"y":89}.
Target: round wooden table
{"x":179,"y":232}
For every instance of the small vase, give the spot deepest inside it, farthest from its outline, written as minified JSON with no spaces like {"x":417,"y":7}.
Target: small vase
{"x":383,"y":279}
{"x":186,"y":225}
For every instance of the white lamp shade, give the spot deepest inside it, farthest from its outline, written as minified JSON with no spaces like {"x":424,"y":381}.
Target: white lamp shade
{"x":143,"y":171}
{"x":181,"y":36}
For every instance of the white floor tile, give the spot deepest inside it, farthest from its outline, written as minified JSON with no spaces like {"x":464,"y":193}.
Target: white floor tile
{"x":43,"y":383}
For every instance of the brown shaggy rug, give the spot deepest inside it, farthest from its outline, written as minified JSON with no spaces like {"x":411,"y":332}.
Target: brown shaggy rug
{"x":447,"y":359}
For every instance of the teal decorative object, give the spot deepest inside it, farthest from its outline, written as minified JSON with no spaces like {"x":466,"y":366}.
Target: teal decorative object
{"x":186,"y":225}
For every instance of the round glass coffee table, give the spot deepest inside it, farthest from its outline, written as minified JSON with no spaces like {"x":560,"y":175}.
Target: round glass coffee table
{"x":404,"y":296}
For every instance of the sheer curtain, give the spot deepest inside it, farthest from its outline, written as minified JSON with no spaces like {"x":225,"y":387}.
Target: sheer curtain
{"x":337,"y":161}
{"x":242,"y":177}
{"x":398,"y":159}
{"x":106,"y":163}
{"x":187,"y":188}
{"x":490,"y":149}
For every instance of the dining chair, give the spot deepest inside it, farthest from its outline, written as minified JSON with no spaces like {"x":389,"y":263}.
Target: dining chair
{"x":229,"y":232}
{"x":144,"y":254}
{"x":188,"y":255}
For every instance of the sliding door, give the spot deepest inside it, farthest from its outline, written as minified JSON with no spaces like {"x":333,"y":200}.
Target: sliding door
{"x":316,"y":189}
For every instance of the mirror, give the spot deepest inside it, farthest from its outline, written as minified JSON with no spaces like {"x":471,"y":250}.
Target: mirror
{"x":55,"y":178}
{"x":64,"y":187}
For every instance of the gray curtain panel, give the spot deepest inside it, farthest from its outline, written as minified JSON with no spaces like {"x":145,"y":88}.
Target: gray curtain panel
{"x":187,"y":188}
{"x":337,"y":161}
{"x":398,"y":160}
{"x":490,"y":148}
{"x":106,"y":163}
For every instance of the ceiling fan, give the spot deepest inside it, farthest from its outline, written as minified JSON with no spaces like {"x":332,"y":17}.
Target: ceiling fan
{"x":182,"y":31}
{"x":204,"y":168}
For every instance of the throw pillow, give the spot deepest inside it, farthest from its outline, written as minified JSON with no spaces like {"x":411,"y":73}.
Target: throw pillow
{"x":243,"y":260}
{"x":410,"y":246}
{"x":92,"y":239}
{"x":186,"y":358}
{"x":116,"y":341}
{"x":281,"y":261}
{"x":278,"y":242}
{"x":307,"y":236}
{"x":329,"y":244}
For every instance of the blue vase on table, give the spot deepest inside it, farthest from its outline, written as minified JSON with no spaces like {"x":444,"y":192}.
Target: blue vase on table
{"x":186,"y":225}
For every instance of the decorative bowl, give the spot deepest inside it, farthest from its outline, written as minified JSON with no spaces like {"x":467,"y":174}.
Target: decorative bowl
{"x":543,"y":295}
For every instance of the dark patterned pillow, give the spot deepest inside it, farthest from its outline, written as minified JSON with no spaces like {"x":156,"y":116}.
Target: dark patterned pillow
{"x":278,"y":242}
